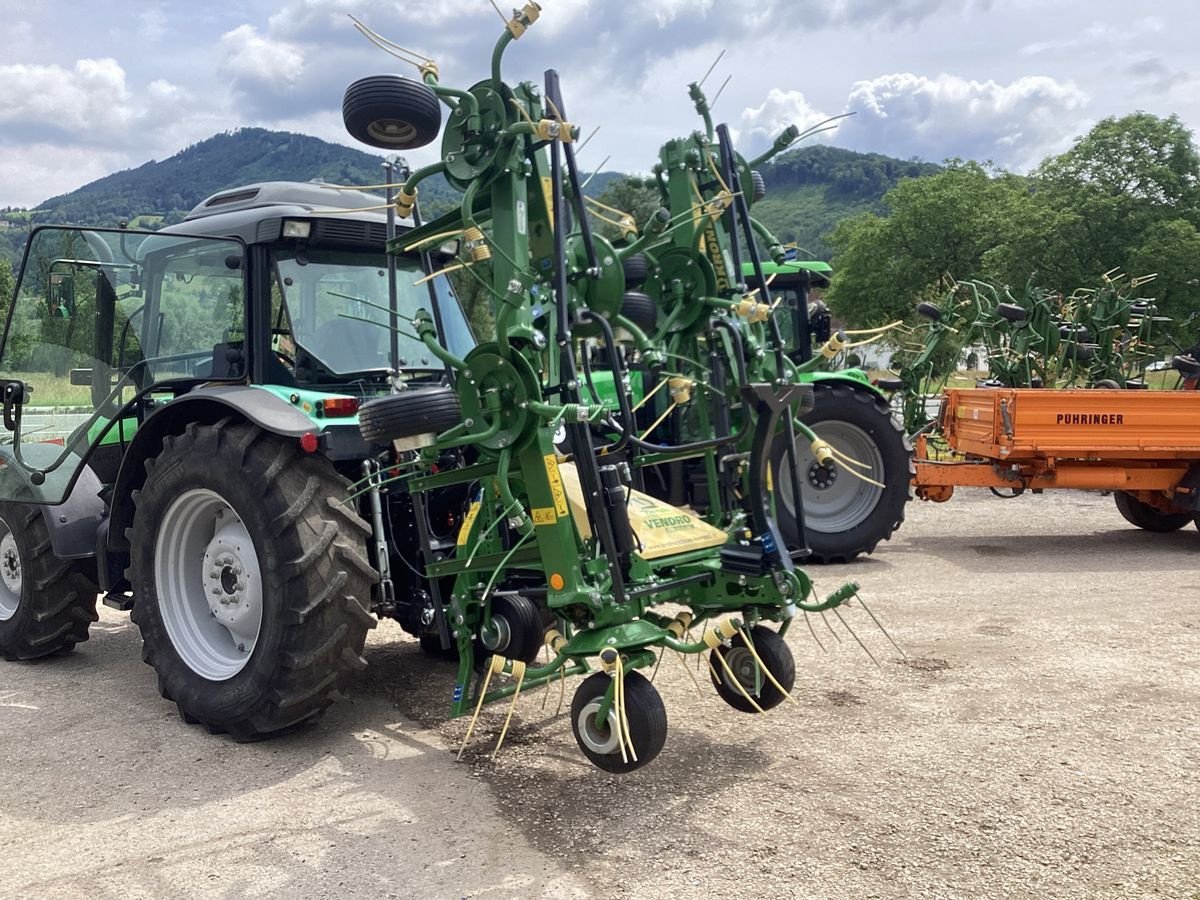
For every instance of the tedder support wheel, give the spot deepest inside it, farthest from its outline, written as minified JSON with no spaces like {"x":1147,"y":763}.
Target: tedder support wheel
{"x":1145,"y":516}
{"x":515,"y":630}
{"x":844,"y":516}
{"x":391,"y":112}
{"x":413,"y":413}
{"x":46,"y":603}
{"x":250,"y":577}
{"x":637,"y":269}
{"x":776,"y":657}
{"x":643,"y":708}
{"x":639,"y":309}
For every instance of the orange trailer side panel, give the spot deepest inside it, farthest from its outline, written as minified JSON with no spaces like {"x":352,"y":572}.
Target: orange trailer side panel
{"x":1024,"y":423}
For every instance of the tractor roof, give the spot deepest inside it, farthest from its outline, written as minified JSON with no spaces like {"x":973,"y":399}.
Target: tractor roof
{"x":820,"y":271}
{"x":255,"y":212}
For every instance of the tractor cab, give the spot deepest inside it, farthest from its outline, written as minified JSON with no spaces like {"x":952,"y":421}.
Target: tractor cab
{"x":802,"y":322}
{"x":278,"y":287}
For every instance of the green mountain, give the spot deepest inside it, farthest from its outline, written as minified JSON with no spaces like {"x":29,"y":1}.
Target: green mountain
{"x":811,"y":190}
{"x":163,"y":191}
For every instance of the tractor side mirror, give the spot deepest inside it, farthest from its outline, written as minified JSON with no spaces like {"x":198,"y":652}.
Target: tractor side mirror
{"x":60,"y":295}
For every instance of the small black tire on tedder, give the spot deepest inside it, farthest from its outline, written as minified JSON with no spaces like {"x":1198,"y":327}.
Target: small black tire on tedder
{"x":391,"y":112}
{"x":744,"y":670}
{"x":644,"y":728}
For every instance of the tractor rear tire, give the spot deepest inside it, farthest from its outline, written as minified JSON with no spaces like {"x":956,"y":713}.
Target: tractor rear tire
{"x":1146,"y":517}
{"x":46,"y":603}
{"x":251,"y":579}
{"x":391,"y":112}
{"x":846,"y":517}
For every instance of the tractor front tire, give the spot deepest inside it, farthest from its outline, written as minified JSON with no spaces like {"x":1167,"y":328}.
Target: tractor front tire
{"x":46,"y":603}
{"x":251,"y":579}
{"x":1146,"y":517}
{"x":845,"y":516}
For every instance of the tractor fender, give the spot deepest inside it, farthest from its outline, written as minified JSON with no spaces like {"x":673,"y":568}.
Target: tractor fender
{"x":205,"y":406}
{"x":74,"y":522}
{"x":855,"y":379}
{"x":71,"y":524}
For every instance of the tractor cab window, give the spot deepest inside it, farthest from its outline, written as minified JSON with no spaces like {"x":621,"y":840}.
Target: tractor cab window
{"x":335,"y":306}
{"x":99,"y":318}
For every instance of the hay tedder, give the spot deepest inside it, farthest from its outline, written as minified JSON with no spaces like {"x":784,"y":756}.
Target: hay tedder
{"x":259,"y":431}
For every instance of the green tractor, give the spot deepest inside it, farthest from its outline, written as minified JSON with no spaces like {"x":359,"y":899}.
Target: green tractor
{"x":843,"y":516}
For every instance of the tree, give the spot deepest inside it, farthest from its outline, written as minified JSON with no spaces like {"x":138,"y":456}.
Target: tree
{"x":937,"y":226}
{"x":630,"y":195}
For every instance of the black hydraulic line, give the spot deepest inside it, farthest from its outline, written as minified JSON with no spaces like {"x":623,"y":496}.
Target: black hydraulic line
{"x":427,"y":269}
{"x":789,"y":429}
{"x":730,"y":216}
{"x":579,"y":434}
{"x":389,"y":170}
{"x":739,"y":346}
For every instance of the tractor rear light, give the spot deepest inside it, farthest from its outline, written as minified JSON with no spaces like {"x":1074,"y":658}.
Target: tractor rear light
{"x":309,"y":442}
{"x":339,"y":407}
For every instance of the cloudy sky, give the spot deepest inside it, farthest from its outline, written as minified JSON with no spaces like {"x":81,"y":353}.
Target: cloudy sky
{"x":87,"y":88}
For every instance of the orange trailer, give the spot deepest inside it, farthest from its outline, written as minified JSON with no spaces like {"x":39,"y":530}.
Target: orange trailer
{"x":1143,"y":443}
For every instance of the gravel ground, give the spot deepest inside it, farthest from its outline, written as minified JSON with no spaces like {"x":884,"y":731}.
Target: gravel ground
{"x":1042,"y":738}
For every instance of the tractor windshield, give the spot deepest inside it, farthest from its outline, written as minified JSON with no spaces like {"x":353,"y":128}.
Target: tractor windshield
{"x":335,"y":309}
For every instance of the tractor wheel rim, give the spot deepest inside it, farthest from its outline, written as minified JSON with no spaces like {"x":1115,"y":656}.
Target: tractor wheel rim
{"x":10,"y":574}
{"x":209,"y":583}
{"x":601,"y":741}
{"x":834,"y":500}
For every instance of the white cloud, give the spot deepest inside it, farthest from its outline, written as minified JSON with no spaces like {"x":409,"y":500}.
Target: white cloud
{"x":255,"y":61}
{"x":1015,"y":124}
{"x":762,"y":124}
{"x":35,"y":172}
{"x":90,"y":96}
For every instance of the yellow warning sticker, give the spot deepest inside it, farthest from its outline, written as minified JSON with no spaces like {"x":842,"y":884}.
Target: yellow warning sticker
{"x":464,"y":533}
{"x":556,"y":485}
{"x":548,"y":192}
{"x":544,"y":515}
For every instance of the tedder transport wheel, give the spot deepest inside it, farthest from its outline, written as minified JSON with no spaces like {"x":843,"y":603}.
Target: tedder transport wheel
{"x":391,"y":112}
{"x":416,"y":413}
{"x":776,"y":657}
{"x":250,"y":577}
{"x":845,"y":516}
{"x":515,"y":630}
{"x":46,"y":603}
{"x":639,"y":309}
{"x":643,"y":708}
{"x":1145,"y":516}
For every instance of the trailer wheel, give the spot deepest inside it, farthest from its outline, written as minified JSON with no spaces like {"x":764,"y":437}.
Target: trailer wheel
{"x":1146,"y":517}
{"x":776,"y":657}
{"x":46,"y":603}
{"x":391,"y":112}
{"x":643,"y":708}
{"x":844,"y":516}
{"x":251,"y":579}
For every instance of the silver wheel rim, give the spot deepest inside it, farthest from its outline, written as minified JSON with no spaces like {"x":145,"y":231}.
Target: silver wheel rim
{"x":600,"y":742}
{"x":834,"y":500}
{"x":209,"y":585}
{"x":741,"y":663}
{"x":392,"y":131}
{"x":10,"y":573}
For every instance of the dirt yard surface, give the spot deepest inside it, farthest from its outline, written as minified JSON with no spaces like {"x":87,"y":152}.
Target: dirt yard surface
{"x":1041,"y":739}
